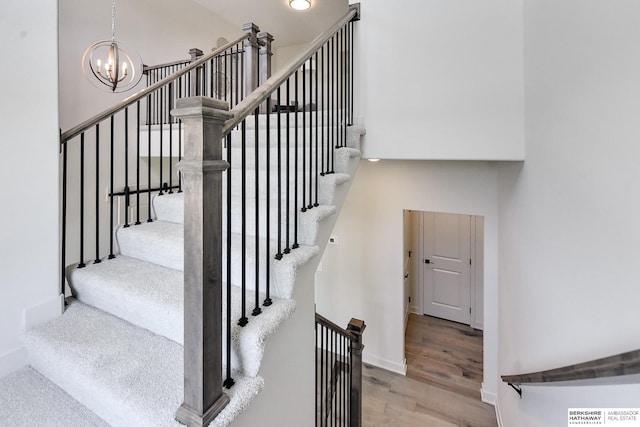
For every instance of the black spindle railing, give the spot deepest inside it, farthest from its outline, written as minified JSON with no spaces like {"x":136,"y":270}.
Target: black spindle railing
{"x":286,"y":178}
{"x":221,"y":74}
{"x":338,"y":373}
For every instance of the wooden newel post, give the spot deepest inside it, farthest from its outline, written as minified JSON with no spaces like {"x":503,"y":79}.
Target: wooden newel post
{"x":356,"y":326}
{"x":202,"y":167}
{"x":251,"y":51}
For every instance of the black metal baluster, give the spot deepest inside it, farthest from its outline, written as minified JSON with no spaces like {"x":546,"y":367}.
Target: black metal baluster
{"x":148,"y":161}
{"x":138,"y":165}
{"x":226,"y":73}
{"x":257,"y":310}
{"x":336,"y":85}
{"x":243,"y":319}
{"x":279,"y":253}
{"x":161,"y":125}
{"x":228,"y":382}
{"x":304,"y":136}
{"x":111,"y":233}
{"x":310,"y":205}
{"x":343,"y":86}
{"x":169,"y":106}
{"x":351,"y":69}
{"x":350,"y":377}
{"x":334,"y":383}
{"x":180,"y":139}
{"x":234,"y":78}
{"x":339,"y":86}
{"x":341,"y":381}
{"x":317,"y":174}
{"x":81,"y":264}
{"x":97,"y":260}
{"x":242,"y":77}
{"x":316,"y":369}
{"x":323,"y":385}
{"x":330,"y":119}
{"x":126,"y":168}
{"x":287,"y":248}
{"x":295,"y":174}
{"x":267,"y":302}
{"x":63,"y":248}
{"x":323,"y":140}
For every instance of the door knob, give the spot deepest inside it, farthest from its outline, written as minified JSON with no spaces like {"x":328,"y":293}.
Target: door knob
{"x":427,"y":261}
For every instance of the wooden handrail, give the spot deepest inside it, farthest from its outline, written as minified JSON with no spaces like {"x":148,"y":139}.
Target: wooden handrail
{"x":148,"y":68}
{"x":347,"y":333}
{"x":249,"y":104}
{"x":621,"y":364}
{"x":77,"y":130}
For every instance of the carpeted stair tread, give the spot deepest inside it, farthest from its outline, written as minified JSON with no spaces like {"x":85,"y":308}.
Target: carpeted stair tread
{"x":161,"y":243}
{"x":126,"y":375}
{"x":27,"y":399}
{"x":147,"y":295}
{"x":158,"y":242}
{"x":169,"y":207}
{"x":151,"y":296}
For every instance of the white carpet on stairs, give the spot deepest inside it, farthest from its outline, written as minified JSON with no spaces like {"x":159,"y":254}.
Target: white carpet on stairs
{"x":27,"y":399}
{"x":151,"y":296}
{"x":161,"y":243}
{"x":124,"y":374}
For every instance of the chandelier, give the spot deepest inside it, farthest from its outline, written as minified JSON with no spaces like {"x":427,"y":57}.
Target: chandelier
{"x":107,"y":65}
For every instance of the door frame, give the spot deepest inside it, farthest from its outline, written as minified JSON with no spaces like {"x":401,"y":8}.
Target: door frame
{"x":476,"y":273}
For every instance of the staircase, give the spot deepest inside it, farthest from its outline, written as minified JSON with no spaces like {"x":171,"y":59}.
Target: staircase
{"x":171,"y":317}
{"x":117,"y":348}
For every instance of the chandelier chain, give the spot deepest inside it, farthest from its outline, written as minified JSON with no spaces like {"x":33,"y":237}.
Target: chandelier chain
{"x":113,"y":20}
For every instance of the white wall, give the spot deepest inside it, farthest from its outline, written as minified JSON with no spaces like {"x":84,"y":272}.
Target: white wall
{"x":569,"y":232}
{"x":441,"y":79}
{"x":362,"y":276}
{"x":160,"y":30}
{"x":29,"y":172}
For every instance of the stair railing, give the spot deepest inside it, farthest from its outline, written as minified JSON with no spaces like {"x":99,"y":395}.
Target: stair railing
{"x":338,"y":373}
{"x":132,"y":148}
{"x":613,"y":366}
{"x":314,"y":95}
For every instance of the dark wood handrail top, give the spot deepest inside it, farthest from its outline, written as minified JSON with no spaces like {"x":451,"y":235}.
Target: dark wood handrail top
{"x":335,"y":328}
{"x":613,"y":366}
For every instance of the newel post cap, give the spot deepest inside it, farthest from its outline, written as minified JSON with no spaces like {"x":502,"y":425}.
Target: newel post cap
{"x":202,"y":107}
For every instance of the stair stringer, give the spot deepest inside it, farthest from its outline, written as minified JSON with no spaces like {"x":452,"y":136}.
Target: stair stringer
{"x":288,"y":362}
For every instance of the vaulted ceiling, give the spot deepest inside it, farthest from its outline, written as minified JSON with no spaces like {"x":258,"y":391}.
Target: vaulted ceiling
{"x":288,"y":26}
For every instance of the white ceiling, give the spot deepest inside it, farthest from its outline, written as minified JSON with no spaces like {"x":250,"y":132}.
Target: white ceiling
{"x":288,"y":26}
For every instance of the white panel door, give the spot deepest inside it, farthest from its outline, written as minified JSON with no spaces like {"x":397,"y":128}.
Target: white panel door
{"x":446,"y":263}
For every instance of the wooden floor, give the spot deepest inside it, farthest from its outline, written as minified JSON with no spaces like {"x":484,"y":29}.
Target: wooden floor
{"x":442,"y":386}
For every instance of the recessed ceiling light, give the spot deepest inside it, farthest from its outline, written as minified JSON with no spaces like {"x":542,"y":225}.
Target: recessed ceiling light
{"x":300,"y":4}
{"x":374,"y":160}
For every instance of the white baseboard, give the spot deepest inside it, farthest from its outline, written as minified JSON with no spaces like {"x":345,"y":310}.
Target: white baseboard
{"x":398,"y":368}
{"x":499,"y":416}
{"x":12,"y":361}
{"x":491,"y":399}
{"x":488,"y":397}
{"x":43,"y":312}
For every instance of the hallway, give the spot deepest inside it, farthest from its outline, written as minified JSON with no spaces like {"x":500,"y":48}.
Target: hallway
{"x":442,"y":386}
